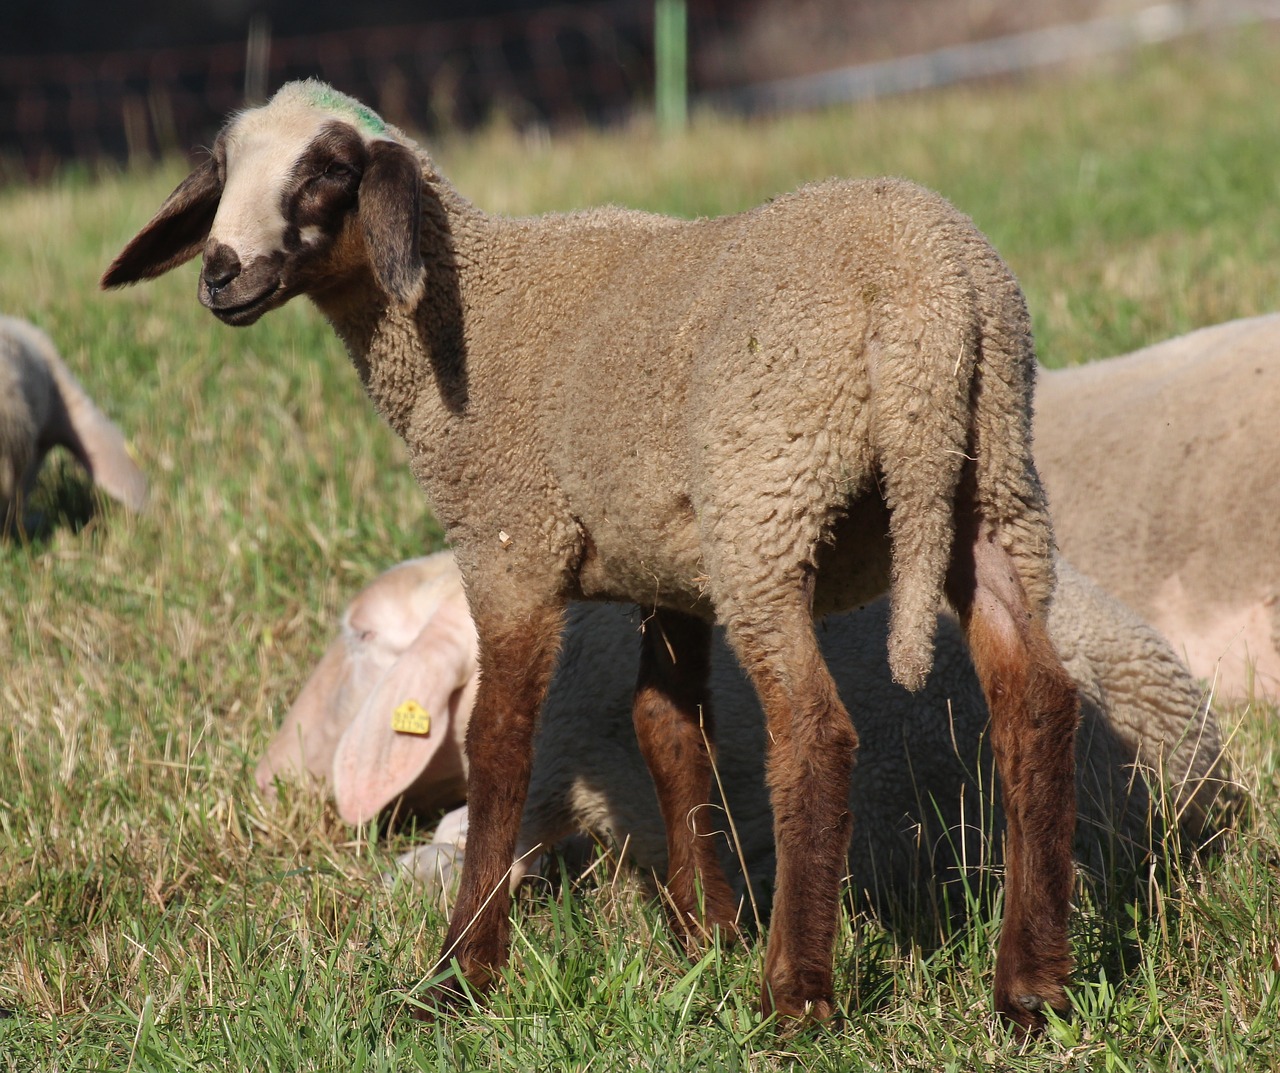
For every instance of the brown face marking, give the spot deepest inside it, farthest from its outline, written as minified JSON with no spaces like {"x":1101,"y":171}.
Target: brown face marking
{"x":308,"y":212}
{"x":322,"y":187}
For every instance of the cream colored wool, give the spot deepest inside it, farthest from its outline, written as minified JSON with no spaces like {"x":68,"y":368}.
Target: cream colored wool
{"x":921,"y":793}
{"x":43,"y":406}
{"x":1161,"y":472}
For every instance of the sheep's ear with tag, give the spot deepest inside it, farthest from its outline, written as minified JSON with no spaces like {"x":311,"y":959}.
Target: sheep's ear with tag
{"x":175,"y":234}
{"x":390,"y":206}
{"x":430,"y":687}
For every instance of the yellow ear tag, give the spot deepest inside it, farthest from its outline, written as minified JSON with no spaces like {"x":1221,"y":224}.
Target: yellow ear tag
{"x":411,"y":718}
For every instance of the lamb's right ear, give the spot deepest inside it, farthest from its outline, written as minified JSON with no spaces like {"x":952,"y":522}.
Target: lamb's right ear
{"x":175,"y":234}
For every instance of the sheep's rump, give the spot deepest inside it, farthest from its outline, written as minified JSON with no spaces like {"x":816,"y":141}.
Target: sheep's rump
{"x":1160,"y":467}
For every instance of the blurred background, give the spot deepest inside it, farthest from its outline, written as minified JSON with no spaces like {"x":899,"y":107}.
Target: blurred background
{"x":84,"y":80}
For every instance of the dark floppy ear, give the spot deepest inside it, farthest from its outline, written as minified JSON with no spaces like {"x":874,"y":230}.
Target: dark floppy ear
{"x":390,"y":207}
{"x":175,"y":234}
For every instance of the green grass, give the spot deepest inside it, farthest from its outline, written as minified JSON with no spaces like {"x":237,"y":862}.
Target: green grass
{"x":158,"y":916}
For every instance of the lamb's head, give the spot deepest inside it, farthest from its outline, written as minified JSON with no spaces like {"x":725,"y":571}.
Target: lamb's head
{"x":302,"y":195}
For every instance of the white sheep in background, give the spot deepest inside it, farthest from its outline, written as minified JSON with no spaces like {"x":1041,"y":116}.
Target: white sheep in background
{"x":748,"y":419}
{"x":407,"y":638}
{"x":1149,"y":746}
{"x":43,"y":406}
{"x":1161,"y":472}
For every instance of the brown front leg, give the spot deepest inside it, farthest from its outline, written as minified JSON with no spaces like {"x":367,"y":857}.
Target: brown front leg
{"x":1034,"y":708}
{"x":517,"y":656}
{"x":673,"y":722}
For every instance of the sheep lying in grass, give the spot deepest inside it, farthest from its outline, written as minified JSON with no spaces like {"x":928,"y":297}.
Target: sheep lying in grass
{"x":407,"y":639}
{"x":42,"y":406}
{"x":920,"y":795}
{"x":1160,"y":467}
{"x":750,"y":419}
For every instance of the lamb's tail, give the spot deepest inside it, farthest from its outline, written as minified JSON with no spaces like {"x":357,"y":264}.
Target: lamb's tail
{"x":955,"y":369}
{"x":921,"y":439}
{"x":1007,"y":490}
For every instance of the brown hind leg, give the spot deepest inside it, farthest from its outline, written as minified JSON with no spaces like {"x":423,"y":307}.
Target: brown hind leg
{"x":673,"y":723}
{"x":811,"y":751}
{"x":517,"y":655}
{"x":1034,"y":711}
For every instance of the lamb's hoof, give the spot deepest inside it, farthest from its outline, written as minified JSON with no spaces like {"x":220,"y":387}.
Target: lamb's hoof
{"x":457,"y":989}
{"x":697,"y":924}
{"x":439,"y":1002}
{"x":1026,"y":1009}
{"x":795,"y":1013}
{"x":698,"y":936}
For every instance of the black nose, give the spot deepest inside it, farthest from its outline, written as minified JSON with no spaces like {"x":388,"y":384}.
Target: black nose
{"x":221,"y":266}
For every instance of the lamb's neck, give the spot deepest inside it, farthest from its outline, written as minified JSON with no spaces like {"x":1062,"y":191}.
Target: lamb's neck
{"x":402,"y":354}
{"x":382,"y":343}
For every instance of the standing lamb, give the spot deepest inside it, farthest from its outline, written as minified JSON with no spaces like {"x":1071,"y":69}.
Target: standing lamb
{"x":753,"y":419}
{"x":43,"y":406}
{"x":1160,"y":467}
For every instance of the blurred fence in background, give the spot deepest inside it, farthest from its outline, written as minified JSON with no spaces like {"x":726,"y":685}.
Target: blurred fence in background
{"x":590,"y":61}
{"x":554,"y":66}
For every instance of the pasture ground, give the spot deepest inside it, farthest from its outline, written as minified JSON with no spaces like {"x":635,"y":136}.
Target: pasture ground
{"x":158,"y":916}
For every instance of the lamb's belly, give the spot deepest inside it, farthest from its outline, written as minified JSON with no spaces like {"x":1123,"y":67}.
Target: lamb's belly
{"x":660,"y":564}
{"x":656,"y":565}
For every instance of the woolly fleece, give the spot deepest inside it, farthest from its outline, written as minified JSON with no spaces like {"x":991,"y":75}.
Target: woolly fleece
{"x":1161,"y":471}
{"x":617,"y":405}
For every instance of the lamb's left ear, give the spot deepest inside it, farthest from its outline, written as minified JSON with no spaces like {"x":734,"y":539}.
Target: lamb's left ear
{"x":390,"y":207}
{"x":175,"y":234}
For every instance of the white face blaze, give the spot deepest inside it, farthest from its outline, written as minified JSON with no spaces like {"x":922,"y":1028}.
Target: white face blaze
{"x":262,"y":148}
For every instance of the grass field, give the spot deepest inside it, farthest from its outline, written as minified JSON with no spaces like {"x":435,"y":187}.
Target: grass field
{"x":158,"y":916}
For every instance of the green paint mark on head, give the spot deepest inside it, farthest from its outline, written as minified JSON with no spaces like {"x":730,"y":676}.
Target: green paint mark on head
{"x":324,"y":96}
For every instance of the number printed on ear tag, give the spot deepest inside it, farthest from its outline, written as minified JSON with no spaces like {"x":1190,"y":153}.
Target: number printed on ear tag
{"x":411,"y":718}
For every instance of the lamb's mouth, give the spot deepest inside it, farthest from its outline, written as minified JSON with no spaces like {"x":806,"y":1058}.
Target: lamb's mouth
{"x":244,"y":313}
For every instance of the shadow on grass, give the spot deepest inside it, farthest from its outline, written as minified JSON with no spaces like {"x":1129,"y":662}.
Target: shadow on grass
{"x":1140,"y":854}
{"x":63,"y":500}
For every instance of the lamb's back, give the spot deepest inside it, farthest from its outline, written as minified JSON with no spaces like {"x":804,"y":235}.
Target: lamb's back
{"x":647,"y":360}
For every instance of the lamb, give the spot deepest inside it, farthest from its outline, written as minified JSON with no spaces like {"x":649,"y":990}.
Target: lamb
{"x":43,"y":406}
{"x":921,"y":798}
{"x":1160,"y":471}
{"x":754,"y":419}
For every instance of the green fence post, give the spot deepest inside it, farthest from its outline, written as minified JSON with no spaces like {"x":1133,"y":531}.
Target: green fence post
{"x":671,"y":64}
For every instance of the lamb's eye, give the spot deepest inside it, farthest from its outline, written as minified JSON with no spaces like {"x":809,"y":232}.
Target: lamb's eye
{"x":339,"y":171}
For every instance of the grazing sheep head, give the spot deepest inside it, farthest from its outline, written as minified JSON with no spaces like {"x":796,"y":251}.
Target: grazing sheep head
{"x":299,"y":196}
